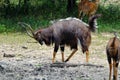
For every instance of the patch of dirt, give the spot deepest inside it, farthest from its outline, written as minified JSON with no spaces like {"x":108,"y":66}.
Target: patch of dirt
{"x":34,"y":62}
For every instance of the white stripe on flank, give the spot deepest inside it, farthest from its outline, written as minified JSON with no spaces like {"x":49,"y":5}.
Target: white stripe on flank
{"x":69,"y":18}
{"x":79,"y":42}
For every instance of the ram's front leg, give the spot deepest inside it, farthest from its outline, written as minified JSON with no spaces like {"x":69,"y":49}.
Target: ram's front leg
{"x":62,"y":51}
{"x":54,"y":54}
{"x":55,"y":51}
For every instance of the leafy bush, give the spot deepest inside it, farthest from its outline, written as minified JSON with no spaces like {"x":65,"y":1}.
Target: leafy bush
{"x":38,"y":13}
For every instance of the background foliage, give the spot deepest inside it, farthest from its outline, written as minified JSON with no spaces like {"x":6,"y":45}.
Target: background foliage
{"x":38,"y":13}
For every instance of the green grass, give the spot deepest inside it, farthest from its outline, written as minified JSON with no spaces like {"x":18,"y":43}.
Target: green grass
{"x":105,"y":26}
{"x":10,"y":25}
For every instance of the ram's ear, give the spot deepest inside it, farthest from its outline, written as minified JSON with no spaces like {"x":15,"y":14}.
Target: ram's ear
{"x":37,"y":34}
{"x":39,"y":37}
{"x":38,"y":31}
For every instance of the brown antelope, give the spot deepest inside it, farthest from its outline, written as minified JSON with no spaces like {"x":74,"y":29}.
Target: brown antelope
{"x":86,"y":7}
{"x":113,"y":56}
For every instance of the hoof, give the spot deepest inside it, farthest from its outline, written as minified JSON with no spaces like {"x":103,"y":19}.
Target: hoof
{"x":66,"y":61}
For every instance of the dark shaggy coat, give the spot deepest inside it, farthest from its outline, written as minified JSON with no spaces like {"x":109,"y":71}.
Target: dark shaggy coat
{"x":66,"y":32}
{"x":69,"y":32}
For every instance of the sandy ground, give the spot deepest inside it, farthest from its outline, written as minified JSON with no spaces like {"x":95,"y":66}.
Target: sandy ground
{"x":32,"y":61}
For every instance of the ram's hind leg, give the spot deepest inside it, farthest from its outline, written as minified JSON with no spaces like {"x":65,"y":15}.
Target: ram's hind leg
{"x":71,"y":55}
{"x":87,"y":56}
{"x":110,"y":70}
{"x":110,"y":64}
{"x":115,"y":69}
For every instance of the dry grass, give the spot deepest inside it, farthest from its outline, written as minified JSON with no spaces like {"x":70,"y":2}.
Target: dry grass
{"x":16,"y":43}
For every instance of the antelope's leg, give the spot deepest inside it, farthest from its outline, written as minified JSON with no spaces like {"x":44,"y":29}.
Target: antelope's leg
{"x":54,"y":54}
{"x":62,"y":56}
{"x":87,"y":56}
{"x":110,"y":69}
{"x":84,"y":14}
{"x":115,"y":69}
{"x":79,"y":14}
{"x":110,"y":64}
{"x":55,"y":51}
{"x":71,"y":55}
{"x":62,"y":52}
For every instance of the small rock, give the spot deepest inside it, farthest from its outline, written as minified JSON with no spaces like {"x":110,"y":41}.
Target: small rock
{"x":8,"y":55}
{"x":1,"y":68}
{"x":24,"y":47}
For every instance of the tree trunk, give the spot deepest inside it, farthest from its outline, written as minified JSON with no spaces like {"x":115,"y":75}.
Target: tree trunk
{"x":70,"y":5}
{"x":7,"y":7}
{"x":26,"y":6}
{"x":18,"y":9}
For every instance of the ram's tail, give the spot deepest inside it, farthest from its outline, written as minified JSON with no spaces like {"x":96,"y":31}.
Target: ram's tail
{"x":93,"y":23}
{"x":113,"y":42}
